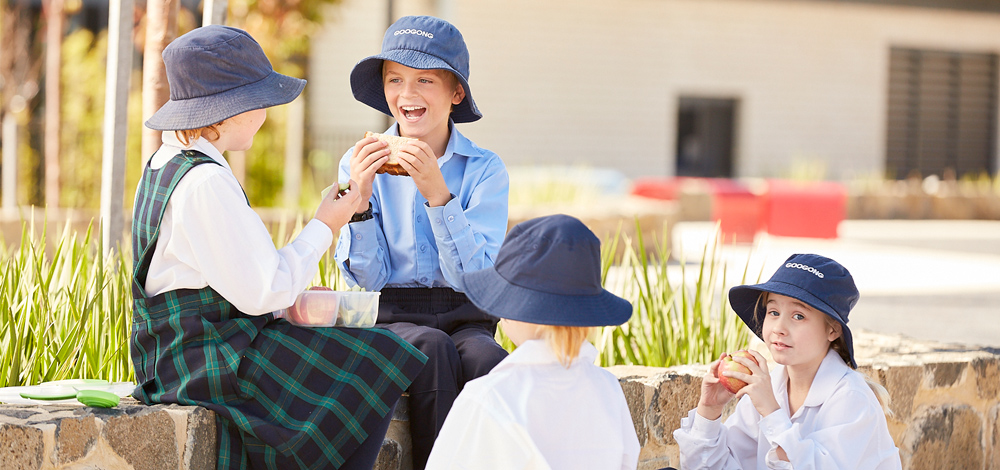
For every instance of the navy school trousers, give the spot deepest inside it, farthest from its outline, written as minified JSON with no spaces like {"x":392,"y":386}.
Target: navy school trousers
{"x":457,"y":338}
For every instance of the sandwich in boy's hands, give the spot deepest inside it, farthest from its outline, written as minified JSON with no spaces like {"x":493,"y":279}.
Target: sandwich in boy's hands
{"x":395,"y":145}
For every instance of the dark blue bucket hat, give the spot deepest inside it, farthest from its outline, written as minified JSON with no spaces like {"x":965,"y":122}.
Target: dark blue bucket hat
{"x":548,"y":272}
{"x":216,"y":72}
{"x":418,"y":42}
{"x":820,"y":282}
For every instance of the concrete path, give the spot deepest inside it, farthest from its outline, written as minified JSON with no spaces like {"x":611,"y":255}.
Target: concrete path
{"x":930,"y":280}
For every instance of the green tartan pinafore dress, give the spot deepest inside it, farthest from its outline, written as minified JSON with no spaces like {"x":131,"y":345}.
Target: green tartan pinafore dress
{"x":284,"y":396}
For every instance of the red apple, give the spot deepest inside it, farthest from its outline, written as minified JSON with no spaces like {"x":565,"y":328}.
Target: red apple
{"x":732,"y":384}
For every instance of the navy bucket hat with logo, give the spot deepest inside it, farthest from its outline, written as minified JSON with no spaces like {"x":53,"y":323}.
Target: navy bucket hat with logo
{"x":820,"y":282}
{"x":216,"y":72}
{"x":418,"y":42}
{"x":548,"y":272}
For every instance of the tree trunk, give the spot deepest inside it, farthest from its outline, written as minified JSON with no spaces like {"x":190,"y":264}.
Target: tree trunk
{"x":161,"y":28}
{"x":53,"y":98}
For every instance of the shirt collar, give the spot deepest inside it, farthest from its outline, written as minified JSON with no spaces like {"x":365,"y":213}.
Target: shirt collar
{"x":831,"y":370}
{"x":538,"y":352}
{"x":458,"y":144}
{"x":174,"y":146}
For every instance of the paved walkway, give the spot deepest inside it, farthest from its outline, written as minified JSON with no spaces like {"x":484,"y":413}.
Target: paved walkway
{"x":931,"y":280}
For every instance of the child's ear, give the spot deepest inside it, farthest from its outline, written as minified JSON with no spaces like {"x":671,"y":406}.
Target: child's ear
{"x":459,"y":94}
{"x":834,"y":332}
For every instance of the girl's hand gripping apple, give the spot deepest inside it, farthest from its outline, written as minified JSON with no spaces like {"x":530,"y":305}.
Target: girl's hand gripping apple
{"x":733,"y":384}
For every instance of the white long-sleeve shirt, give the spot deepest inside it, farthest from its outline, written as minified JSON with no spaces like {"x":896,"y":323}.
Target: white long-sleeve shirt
{"x":839,"y":426}
{"x":530,"y":412}
{"x":209,"y":236}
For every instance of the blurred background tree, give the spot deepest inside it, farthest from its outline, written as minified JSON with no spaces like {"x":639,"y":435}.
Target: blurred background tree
{"x":20,"y":71}
{"x":283,"y":28}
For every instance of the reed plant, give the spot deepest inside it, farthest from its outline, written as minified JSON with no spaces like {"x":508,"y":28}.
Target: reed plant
{"x":66,"y":311}
{"x":672,"y":323}
{"x":66,"y":314}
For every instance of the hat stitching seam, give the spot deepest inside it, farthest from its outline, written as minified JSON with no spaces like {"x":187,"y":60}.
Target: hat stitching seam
{"x":453,"y":68}
{"x":212,"y":46}
{"x":231,"y":89}
{"x":837,"y":317}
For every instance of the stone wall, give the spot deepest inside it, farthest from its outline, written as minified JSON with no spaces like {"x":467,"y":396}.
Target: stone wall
{"x":946,"y":400}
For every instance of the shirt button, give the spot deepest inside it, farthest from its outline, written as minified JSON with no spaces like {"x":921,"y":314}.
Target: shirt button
{"x":357,"y":236}
{"x":423,"y":247}
{"x":423,"y":279}
{"x":437,"y":221}
{"x":451,"y":218}
{"x":420,"y":219}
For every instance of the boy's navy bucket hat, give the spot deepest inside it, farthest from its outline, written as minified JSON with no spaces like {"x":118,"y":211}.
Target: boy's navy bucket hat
{"x":820,"y":282}
{"x":216,"y":72}
{"x":548,"y":272}
{"x":418,"y":42}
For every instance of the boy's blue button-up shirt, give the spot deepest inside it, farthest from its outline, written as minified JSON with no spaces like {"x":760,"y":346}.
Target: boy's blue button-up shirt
{"x":408,"y":243}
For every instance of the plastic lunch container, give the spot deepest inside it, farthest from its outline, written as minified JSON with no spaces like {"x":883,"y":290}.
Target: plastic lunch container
{"x":352,"y":309}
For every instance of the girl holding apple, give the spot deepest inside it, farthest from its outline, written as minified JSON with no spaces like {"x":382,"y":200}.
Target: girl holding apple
{"x":812,"y":411}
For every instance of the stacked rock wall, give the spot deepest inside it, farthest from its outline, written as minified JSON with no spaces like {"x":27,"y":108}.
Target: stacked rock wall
{"x":945,"y":398}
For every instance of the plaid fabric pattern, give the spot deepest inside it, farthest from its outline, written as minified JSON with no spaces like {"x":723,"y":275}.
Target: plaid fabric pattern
{"x":284,"y":396}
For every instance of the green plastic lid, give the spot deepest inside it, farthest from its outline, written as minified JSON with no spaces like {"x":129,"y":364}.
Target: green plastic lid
{"x":97,"y":398}
{"x":59,"y":395}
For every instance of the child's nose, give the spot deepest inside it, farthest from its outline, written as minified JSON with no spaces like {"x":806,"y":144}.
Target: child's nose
{"x":409,"y":89}
{"x":780,"y":325}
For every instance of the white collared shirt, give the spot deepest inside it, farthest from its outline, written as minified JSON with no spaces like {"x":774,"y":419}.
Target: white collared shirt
{"x":209,"y":236}
{"x":839,"y":426}
{"x":530,"y":412}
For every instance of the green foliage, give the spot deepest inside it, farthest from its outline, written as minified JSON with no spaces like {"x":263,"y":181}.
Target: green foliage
{"x":67,"y":314}
{"x":63,"y":316}
{"x":686,"y":323}
{"x":83,"y":72}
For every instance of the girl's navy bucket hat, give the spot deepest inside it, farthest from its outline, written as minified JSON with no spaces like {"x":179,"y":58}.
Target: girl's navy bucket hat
{"x":418,"y":42}
{"x":820,"y":282}
{"x":216,"y":72}
{"x":548,"y":272}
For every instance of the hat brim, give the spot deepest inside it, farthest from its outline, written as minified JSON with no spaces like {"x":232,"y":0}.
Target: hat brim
{"x":366,"y":81}
{"x":193,"y":113}
{"x":494,"y":295}
{"x":744,"y":300}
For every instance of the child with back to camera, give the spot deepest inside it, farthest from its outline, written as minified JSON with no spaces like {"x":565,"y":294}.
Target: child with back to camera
{"x":415,"y":235}
{"x":546,"y":405}
{"x":208,"y":283}
{"x":814,"y":410}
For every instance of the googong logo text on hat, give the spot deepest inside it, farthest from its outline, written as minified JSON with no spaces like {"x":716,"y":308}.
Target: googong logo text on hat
{"x":418,"y":32}
{"x":805,"y":268}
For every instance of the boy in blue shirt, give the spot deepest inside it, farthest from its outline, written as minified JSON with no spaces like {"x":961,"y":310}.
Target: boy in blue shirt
{"x":421,"y":232}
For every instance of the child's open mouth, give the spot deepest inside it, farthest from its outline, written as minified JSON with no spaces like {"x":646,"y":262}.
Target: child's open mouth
{"x":413,"y":112}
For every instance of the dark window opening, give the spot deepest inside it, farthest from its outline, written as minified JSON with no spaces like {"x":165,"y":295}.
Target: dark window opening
{"x":705,"y":130}
{"x":941,"y":114}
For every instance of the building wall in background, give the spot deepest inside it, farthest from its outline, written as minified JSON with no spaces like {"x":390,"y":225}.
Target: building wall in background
{"x":598,"y":83}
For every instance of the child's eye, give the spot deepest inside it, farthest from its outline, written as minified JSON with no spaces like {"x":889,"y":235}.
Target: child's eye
{"x":773,"y":313}
{"x":799,"y":316}
{"x":392,"y":80}
{"x":425,"y":80}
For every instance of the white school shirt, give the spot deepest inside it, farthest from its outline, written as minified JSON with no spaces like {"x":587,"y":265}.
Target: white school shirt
{"x":209,"y":236}
{"x":839,"y":426}
{"x":530,"y":412}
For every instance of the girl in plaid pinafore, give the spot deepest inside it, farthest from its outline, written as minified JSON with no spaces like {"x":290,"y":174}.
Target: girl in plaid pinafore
{"x":284,"y":396}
